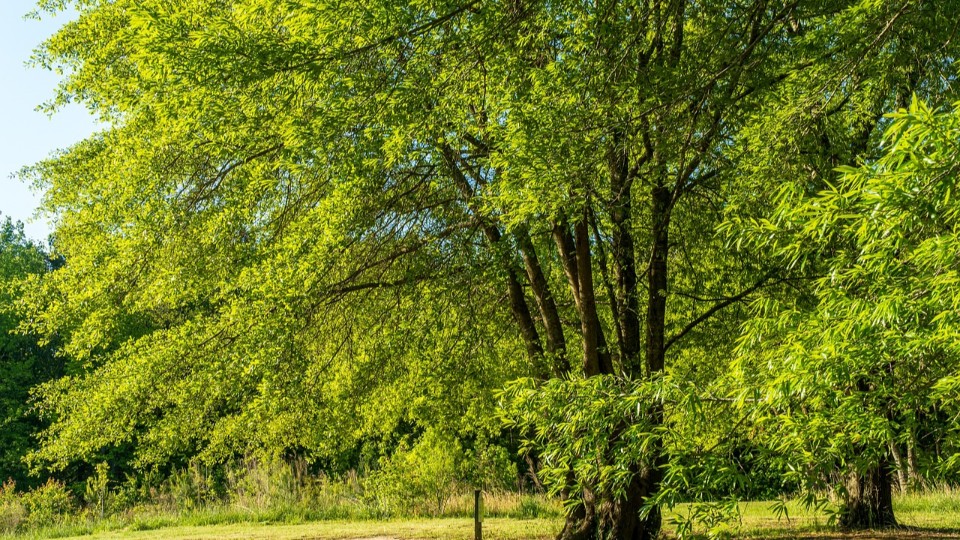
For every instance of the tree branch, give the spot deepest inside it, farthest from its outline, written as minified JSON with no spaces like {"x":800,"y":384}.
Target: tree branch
{"x":717,"y":307}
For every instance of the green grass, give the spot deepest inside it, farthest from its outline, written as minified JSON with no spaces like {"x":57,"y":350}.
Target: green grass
{"x":921,"y":516}
{"x":928,"y":515}
{"x":437,"y":528}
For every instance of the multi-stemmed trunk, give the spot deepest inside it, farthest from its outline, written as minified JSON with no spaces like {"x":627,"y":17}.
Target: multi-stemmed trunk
{"x":601,"y":516}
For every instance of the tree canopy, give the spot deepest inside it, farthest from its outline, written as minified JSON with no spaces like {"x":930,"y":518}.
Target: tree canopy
{"x":314,"y":224}
{"x":866,"y":363}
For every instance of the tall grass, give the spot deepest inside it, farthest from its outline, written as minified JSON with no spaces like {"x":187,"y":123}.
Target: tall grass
{"x":251,"y":491}
{"x":942,"y":499}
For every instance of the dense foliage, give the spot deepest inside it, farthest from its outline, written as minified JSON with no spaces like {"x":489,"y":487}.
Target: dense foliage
{"x":23,"y":363}
{"x":865,"y":364}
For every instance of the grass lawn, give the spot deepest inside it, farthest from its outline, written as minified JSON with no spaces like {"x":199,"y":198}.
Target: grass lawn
{"x":440,"y":528}
{"x":920,"y":517}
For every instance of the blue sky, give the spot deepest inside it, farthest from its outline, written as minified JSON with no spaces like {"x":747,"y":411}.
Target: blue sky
{"x":28,"y":135}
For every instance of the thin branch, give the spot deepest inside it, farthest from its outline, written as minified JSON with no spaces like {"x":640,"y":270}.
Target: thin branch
{"x":717,"y":307}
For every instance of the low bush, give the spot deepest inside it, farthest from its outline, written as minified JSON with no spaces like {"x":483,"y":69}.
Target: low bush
{"x":12,"y":511}
{"x":49,"y":505}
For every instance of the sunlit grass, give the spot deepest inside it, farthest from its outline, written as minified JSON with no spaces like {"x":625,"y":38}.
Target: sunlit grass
{"x":933,"y":514}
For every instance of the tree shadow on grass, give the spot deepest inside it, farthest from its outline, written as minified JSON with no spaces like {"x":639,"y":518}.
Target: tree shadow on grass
{"x":904,"y":532}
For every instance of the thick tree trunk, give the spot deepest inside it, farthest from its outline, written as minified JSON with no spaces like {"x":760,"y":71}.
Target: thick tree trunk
{"x":869,"y":501}
{"x":614,"y":520}
{"x":657,"y":281}
{"x":605,"y":519}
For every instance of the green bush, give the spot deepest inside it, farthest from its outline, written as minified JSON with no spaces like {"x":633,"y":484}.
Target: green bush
{"x":48,"y":505}
{"x":417,"y":480}
{"x":489,"y":467}
{"x":95,"y":491}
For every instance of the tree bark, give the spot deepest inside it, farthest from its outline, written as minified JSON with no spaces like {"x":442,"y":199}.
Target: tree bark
{"x":596,"y":357}
{"x":614,"y":520}
{"x":575,"y":256}
{"x":648,"y":480}
{"x":657,"y":281}
{"x":556,"y":343}
{"x":628,"y":319}
{"x":900,"y":466}
{"x":913,"y":467}
{"x":869,"y":499}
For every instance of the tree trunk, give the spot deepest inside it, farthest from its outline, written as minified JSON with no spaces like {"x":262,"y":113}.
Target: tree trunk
{"x":596,"y":356}
{"x":627,"y":316}
{"x":657,"y":281}
{"x":615,"y":520}
{"x":901,"y":468}
{"x":869,"y":500}
{"x":913,"y":467}
{"x":606,"y":518}
{"x":556,"y":342}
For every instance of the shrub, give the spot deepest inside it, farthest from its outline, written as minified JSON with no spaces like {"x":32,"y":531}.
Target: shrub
{"x":12,"y":511}
{"x":95,"y":491}
{"x":48,"y":505}
{"x":417,"y":480}
{"x":489,"y":467}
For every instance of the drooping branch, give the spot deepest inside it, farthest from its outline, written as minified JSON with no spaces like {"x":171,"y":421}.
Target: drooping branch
{"x":518,"y":301}
{"x":556,"y":342}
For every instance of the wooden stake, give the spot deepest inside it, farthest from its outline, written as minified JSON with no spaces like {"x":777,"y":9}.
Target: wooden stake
{"x":477,"y":515}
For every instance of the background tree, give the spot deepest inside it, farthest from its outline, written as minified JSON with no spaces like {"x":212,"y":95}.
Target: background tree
{"x":23,"y":363}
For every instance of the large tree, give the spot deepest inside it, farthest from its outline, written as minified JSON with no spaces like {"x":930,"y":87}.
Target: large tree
{"x":297,"y":204}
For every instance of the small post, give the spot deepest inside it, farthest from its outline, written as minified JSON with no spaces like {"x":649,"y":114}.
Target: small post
{"x":477,"y":515}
